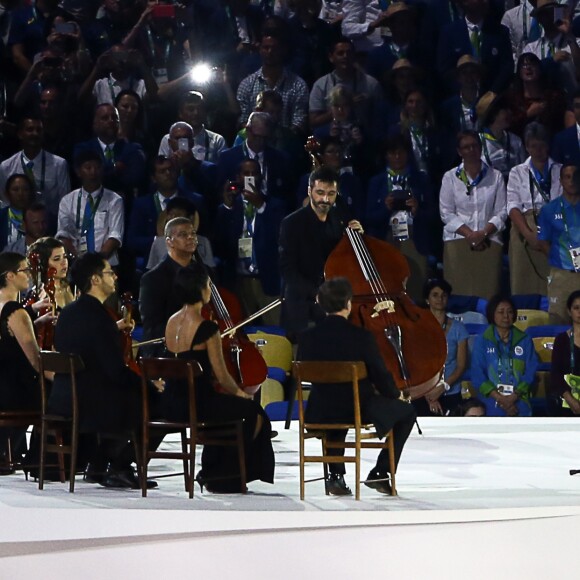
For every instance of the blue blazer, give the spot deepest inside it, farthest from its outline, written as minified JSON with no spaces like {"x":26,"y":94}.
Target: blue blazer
{"x":143,"y":221}
{"x":280,"y":182}
{"x":229,"y":227}
{"x":378,"y":216}
{"x":496,"y":54}
{"x":131,"y":155}
{"x":565,"y":148}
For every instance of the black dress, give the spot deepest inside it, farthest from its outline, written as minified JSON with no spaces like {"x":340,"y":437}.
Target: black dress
{"x":219,"y":461}
{"x":19,"y":388}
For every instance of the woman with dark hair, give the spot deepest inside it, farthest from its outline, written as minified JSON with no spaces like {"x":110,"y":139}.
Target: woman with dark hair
{"x":566,"y":360}
{"x":189,"y":336}
{"x":531,"y":99}
{"x":504,"y":362}
{"x":19,"y":352}
{"x":471,"y":407}
{"x":132,"y":120}
{"x":51,"y":254}
{"x":447,"y":394}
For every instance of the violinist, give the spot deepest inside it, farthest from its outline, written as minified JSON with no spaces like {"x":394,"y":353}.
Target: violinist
{"x":307,"y":237}
{"x":189,"y":336}
{"x":157,"y":298}
{"x":19,"y":358}
{"x":335,"y":339}
{"x":108,"y":391}
{"x":51,"y":254}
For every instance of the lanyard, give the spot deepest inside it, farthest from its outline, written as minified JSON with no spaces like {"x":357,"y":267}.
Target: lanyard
{"x":572,"y":354}
{"x":393,"y":178}
{"x":487,"y":136}
{"x":88,"y":221}
{"x":249,"y":215}
{"x":28,"y":171}
{"x":552,"y":47}
{"x":461,"y":175}
{"x":15,"y":217}
{"x":542,"y":181}
{"x":504,"y":355}
{"x":471,"y":109}
{"x":566,"y":229}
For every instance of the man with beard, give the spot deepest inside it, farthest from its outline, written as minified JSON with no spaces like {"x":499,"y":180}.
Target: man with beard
{"x":307,"y":237}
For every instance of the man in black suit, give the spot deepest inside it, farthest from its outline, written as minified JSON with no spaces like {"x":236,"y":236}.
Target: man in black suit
{"x":108,"y":391}
{"x":336,"y":339}
{"x":307,"y":237}
{"x":157,"y":298}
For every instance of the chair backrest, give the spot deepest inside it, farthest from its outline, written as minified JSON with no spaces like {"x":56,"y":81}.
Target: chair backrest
{"x":529,"y":317}
{"x":470,"y":317}
{"x":63,"y":364}
{"x":326,"y":372}
{"x":544,"y":346}
{"x":173,"y":369}
{"x":276,"y":349}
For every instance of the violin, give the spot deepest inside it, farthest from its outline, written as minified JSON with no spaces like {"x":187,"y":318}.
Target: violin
{"x":45,"y":330}
{"x":411,"y":341}
{"x":242,"y":357}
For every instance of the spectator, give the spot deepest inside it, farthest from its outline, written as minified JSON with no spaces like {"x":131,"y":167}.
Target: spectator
{"x":34,"y":226}
{"x":566,"y":360}
{"x":502,"y":150}
{"x":58,"y":137}
{"x":91,"y":218}
{"x":147,"y":208}
{"x":531,"y":185}
{"x":19,"y":192}
{"x":362,"y":23}
{"x":365,"y":89}
{"x":504,"y":363}
{"x":132,"y":119}
{"x":472,"y":203}
{"x":123,"y":161}
{"x":565,"y":146}
{"x":47,"y":172}
{"x":523,"y":27}
{"x":477,"y":34}
{"x":471,"y":407}
{"x":559,"y":234}
{"x":207,"y":144}
{"x":532,"y":99}
{"x":400,"y":209}
{"x":458,"y":113}
{"x":445,"y":398}
{"x":247,"y":227}
{"x":275,"y":76}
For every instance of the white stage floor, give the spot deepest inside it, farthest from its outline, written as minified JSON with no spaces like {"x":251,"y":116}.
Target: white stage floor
{"x":477,"y":496}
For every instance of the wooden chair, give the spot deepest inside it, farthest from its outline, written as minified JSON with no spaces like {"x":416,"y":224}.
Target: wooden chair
{"x":65,"y":364}
{"x":203,"y":433}
{"x":338,"y":372}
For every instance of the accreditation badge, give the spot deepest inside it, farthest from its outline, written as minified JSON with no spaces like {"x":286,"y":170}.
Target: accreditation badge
{"x":160,"y":75}
{"x":245,"y":247}
{"x":504,"y":389}
{"x":575,"y":256}
{"x":399,"y":223}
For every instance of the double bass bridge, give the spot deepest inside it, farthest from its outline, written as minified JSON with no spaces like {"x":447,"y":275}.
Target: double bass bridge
{"x":387,"y":305}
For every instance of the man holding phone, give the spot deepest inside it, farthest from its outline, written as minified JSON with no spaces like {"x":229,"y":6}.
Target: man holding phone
{"x":246,"y":241}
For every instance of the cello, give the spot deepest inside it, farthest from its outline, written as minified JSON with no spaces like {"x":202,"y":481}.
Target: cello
{"x":243,"y":360}
{"x":411,"y":341}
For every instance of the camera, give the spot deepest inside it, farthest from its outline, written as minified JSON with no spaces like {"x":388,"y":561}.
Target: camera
{"x":163,"y":11}
{"x":401,"y":197}
{"x":234,"y":187}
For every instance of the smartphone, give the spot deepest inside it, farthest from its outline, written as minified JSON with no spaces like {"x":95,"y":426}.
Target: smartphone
{"x":401,"y":198}
{"x":183,"y":144}
{"x":163,"y":11}
{"x":250,"y":183}
{"x":64,"y":28}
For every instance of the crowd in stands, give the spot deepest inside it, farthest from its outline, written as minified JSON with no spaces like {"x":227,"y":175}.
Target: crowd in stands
{"x":454,"y":126}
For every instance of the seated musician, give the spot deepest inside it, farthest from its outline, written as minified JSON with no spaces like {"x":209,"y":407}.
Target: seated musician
{"x":108,"y":391}
{"x":157,"y":298}
{"x":336,"y":339}
{"x":189,"y":336}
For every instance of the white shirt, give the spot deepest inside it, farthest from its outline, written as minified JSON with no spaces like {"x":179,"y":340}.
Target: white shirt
{"x":108,"y":223}
{"x":357,"y":15}
{"x":519,"y":195}
{"x":514,"y":20}
{"x":107,"y":88}
{"x":486,"y":204}
{"x":214,"y":144}
{"x":56,"y":177}
{"x":504,"y":154}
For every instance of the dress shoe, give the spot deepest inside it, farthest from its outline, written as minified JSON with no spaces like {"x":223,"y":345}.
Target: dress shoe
{"x":126,"y":479}
{"x":381,"y":482}
{"x":94,"y":474}
{"x":335,"y":485}
{"x":273,"y":434}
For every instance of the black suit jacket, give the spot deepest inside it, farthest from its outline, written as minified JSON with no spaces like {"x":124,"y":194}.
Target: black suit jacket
{"x":108,"y":391}
{"x":335,"y":339}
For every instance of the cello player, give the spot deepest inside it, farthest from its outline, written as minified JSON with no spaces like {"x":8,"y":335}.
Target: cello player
{"x":307,"y":237}
{"x":336,"y":339}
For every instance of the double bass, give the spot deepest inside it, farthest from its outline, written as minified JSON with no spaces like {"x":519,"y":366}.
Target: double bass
{"x":411,"y":341}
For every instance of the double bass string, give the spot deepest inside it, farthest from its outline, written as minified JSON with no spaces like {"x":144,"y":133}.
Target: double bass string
{"x":220,"y":306}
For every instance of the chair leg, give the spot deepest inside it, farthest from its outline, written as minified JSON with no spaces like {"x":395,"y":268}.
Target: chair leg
{"x":301,"y":444}
{"x":186,"y":471}
{"x":241,"y":457}
{"x":144,"y":459}
{"x":42,"y":455}
{"x":392,"y":462}
{"x":192,"y":450}
{"x":357,"y":465}
{"x":73,"y":459}
{"x":291,"y":400}
{"x":324,"y":464}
